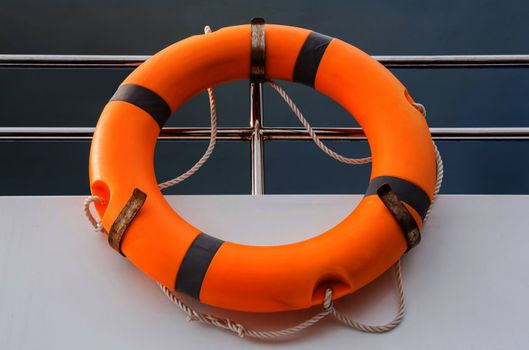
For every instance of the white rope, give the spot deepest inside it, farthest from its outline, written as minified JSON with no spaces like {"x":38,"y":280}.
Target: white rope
{"x":438,"y":181}
{"x":382,"y":328}
{"x":212,"y":140}
{"x":328,"y":306}
{"x":356,"y":161}
{"x":315,"y":138}
{"x":239,"y":329}
{"x":98,"y":225}
{"x":328,"y":309}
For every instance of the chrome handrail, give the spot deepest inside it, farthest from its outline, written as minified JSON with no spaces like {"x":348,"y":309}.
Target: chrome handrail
{"x":268,"y":133}
{"x":394,"y":61}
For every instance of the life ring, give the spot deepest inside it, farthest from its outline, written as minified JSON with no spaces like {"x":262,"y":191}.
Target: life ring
{"x":262,"y":278}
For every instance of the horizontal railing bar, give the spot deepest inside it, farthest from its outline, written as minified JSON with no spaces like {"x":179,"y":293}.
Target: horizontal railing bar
{"x":454,"y":61}
{"x":404,"y":61}
{"x":71,"y":61}
{"x":65,"y":133}
{"x":437,"y":133}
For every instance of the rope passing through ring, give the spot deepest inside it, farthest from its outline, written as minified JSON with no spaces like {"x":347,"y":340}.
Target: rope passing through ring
{"x":98,"y":225}
{"x":328,"y":307}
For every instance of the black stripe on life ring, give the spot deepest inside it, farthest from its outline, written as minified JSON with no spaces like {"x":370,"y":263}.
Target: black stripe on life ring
{"x":406,"y":191}
{"x":196,"y":263}
{"x":309,"y":58}
{"x":145,"y":99}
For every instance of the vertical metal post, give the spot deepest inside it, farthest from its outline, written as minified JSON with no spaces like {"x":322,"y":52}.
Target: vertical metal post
{"x":256,"y":123}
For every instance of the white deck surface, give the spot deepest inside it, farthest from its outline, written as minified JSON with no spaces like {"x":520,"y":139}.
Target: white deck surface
{"x":62,"y":287}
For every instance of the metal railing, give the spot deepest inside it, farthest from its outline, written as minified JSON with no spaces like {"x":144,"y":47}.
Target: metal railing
{"x":256,"y":133}
{"x":131,"y":61}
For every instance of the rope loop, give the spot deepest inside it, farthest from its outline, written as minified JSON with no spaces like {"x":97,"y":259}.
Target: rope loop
{"x":98,"y":225}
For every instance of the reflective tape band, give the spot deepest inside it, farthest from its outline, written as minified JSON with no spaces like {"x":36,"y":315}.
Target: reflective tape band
{"x":309,"y":58}
{"x":145,"y":99}
{"x":196,"y":263}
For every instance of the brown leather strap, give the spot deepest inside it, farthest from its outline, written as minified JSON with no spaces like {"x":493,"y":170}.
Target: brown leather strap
{"x":124,"y":219}
{"x":258,"y":54}
{"x":401,"y":214}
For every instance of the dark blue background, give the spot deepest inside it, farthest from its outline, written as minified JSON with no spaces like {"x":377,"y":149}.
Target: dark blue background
{"x":454,"y":97}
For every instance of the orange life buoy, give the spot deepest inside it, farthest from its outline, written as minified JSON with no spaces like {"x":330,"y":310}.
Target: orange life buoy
{"x":262,"y":278}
